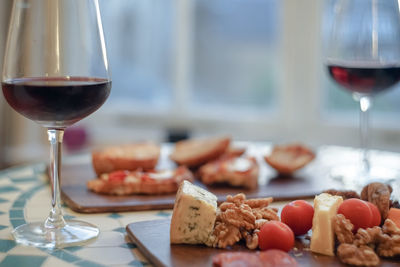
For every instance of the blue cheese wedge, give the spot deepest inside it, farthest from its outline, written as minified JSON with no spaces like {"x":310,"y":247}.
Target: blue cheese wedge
{"x":194,"y":214}
{"x":323,"y":237}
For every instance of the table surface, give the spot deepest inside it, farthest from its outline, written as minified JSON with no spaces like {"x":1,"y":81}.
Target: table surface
{"x":25,"y":197}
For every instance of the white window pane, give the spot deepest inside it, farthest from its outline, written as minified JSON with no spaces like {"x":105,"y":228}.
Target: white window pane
{"x":235,"y":53}
{"x":139,"y":45}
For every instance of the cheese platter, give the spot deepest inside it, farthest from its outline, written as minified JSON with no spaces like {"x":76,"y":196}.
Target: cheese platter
{"x":153,"y":240}
{"x":337,"y":230}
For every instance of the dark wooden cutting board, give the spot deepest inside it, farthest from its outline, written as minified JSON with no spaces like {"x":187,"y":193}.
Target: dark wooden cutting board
{"x":152,"y":239}
{"x":306,"y":183}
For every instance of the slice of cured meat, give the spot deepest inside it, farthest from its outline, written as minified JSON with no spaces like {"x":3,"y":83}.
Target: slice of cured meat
{"x":268,"y":258}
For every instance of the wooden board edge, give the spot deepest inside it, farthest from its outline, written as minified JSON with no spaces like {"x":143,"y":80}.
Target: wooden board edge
{"x":149,"y":255}
{"x":166,"y":206}
{"x":104,"y":209}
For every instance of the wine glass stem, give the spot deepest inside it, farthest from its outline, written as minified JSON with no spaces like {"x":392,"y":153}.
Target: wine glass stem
{"x":365,"y":105}
{"x":55,"y":218}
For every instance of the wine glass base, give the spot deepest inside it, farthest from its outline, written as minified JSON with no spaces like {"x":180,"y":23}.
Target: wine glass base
{"x":72,"y":234}
{"x":354,"y":177}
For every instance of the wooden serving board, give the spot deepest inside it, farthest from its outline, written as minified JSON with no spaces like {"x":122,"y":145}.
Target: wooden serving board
{"x":152,"y":239}
{"x":307,"y":182}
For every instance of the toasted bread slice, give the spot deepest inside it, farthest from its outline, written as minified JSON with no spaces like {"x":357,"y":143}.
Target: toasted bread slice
{"x":235,"y":171}
{"x":140,"y":182}
{"x":234,"y":151}
{"x":286,"y":159}
{"x":126,"y":157}
{"x":195,"y":152}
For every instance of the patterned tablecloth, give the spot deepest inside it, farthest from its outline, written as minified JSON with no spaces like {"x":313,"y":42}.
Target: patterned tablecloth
{"x":25,"y":197}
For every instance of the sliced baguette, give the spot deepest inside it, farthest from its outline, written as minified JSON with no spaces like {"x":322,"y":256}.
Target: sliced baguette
{"x":286,"y":159}
{"x":140,"y":182}
{"x":195,"y":152}
{"x":235,"y":171}
{"x":126,"y":157}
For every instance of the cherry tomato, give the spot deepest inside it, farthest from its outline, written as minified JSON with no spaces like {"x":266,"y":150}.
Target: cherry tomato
{"x":376,"y":215}
{"x":394,"y":215}
{"x":277,"y":235}
{"x":298,"y":215}
{"x":357,"y":211}
{"x":117,"y":176}
{"x":277,"y":258}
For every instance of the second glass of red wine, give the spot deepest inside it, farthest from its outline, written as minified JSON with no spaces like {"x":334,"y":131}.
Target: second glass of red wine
{"x":362,"y":55}
{"x":55,"y":73}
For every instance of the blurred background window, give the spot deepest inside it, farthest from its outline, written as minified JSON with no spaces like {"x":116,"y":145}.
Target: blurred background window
{"x":139,"y":45}
{"x":234,"y":53}
{"x":189,"y":67}
{"x":248,"y":68}
{"x":232,"y":60}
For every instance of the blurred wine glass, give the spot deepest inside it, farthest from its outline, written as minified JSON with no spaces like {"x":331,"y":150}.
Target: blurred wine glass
{"x":55,"y":73}
{"x":362,"y":55}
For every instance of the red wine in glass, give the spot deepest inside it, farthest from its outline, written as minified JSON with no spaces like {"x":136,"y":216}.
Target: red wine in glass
{"x":56,"y":102}
{"x":365,"y":79}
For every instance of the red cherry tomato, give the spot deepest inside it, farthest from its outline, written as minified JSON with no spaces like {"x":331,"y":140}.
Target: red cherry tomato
{"x":357,"y":211}
{"x":277,"y":235}
{"x":277,"y":258}
{"x":298,"y":215}
{"x":117,"y":176}
{"x":376,"y":215}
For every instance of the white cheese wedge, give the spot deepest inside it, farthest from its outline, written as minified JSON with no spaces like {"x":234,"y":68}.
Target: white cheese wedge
{"x":194,"y":214}
{"x":323,"y":236}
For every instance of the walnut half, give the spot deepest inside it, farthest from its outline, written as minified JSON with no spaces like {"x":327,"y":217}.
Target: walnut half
{"x":239,"y":218}
{"x":358,"y":256}
{"x":389,"y":245}
{"x":378,"y":194}
{"x":343,"y":229}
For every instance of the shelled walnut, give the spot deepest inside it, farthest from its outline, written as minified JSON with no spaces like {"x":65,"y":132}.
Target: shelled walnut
{"x":239,"y":218}
{"x":358,"y":256}
{"x":368,"y":237}
{"x":225,"y":235}
{"x":343,"y":229}
{"x":359,"y":249}
{"x":390,"y":240}
{"x":378,"y":194}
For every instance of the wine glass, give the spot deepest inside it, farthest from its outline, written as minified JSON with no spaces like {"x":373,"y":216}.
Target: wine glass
{"x":55,"y":73}
{"x":362,"y":55}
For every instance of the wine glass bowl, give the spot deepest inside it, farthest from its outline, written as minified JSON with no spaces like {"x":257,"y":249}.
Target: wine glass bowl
{"x":55,"y":73}
{"x":56,"y":102}
{"x":362,"y":55}
{"x":363,"y":78}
